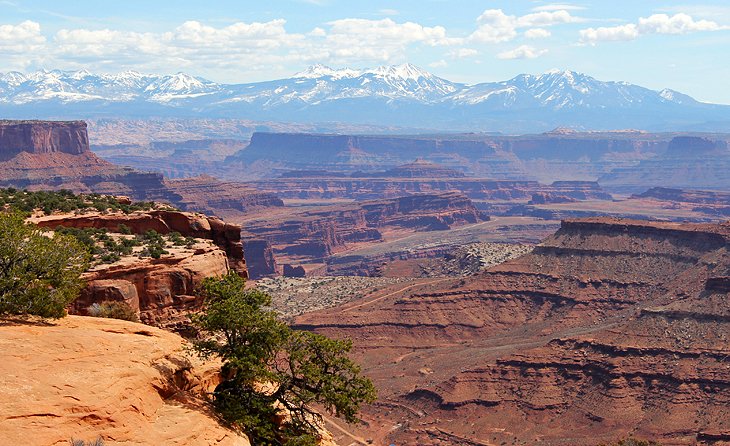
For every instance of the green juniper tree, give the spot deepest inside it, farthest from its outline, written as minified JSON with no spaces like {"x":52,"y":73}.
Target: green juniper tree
{"x":39,"y":275}
{"x":273,"y":374}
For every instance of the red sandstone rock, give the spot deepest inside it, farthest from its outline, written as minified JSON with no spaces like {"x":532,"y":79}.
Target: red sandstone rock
{"x":227,"y":236}
{"x":42,"y":137}
{"x":608,"y":328}
{"x":260,"y":259}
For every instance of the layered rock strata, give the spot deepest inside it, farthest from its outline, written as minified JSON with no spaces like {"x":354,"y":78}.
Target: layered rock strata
{"x":320,"y":232}
{"x":608,"y":328}
{"x":162,"y":291}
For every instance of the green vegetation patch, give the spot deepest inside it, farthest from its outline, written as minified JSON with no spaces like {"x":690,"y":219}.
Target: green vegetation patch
{"x":66,"y":201}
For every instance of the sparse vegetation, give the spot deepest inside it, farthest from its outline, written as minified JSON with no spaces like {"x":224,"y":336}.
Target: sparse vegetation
{"x":66,"y":201}
{"x":107,"y":248}
{"x":39,"y":275}
{"x":114,"y":310}
{"x":273,"y":372}
{"x":98,"y":442}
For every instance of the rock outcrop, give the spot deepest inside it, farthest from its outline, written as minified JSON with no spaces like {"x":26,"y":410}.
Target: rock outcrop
{"x":369,"y":187}
{"x":260,"y":260}
{"x":227,"y":236}
{"x":52,"y":155}
{"x":39,"y":137}
{"x":318,"y":233}
{"x":608,"y":328}
{"x":690,"y":162}
{"x":162,"y":291}
{"x":87,"y":378}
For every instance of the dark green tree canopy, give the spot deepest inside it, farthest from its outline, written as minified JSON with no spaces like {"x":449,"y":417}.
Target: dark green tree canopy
{"x":273,"y":374}
{"x":39,"y":274}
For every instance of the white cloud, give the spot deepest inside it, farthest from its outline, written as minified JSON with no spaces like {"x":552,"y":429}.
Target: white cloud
{"x":353,"y":40}
{"x":537,"y":33}
{"x":20,"y":38}
{"x":521,"y":52}
{"x":495,"y":26}
{"x":656,"y":24}
{"x":558,"y":7}
{"x":677,"y":24}
{"x":439,"y":64}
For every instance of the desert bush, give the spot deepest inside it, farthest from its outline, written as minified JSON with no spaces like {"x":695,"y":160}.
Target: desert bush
{"x":39,"y":275}
{"x":98,"y":442}
{"x":113,"y":309}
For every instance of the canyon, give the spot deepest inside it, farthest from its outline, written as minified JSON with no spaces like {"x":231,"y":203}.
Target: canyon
{"x":310,"y":236}
{"x":566,"y":288}
{"x":606,"y":328}
{"x":55,"y":155}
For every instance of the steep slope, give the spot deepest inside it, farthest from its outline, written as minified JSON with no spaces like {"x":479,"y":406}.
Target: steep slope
{"x":610,"y":327}
{"x":124,"y":382}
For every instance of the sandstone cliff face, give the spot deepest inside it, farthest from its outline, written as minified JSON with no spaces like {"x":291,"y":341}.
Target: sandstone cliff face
{"x":210,"y":196}
{"x":607,"y":328}
{"x":55,"y":155}
{"x":546,"y":157}
{"x":260,"y":259}
{"x":318,"y":233}
{"x":392,"y":187}
{"x":162,"y":291}
{"x":40,"y":137}
{"x":227,"y":236}
{"x":124,"y":382}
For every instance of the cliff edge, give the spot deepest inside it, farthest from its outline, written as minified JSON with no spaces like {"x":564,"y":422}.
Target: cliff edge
{"x":86,"y":378}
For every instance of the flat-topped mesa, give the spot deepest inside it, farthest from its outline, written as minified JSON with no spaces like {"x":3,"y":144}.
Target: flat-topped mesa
{"x":40,"y":137}
{"x":714,"y":234}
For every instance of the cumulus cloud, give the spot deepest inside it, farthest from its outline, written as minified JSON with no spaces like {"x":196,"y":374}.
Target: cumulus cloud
{"x":351,"y":40}
{"x":494,"y":26}
{"x":537,"y":33}
{"x":521,"y":52}
{"x":656,"y":24}
{"x":267,"y":47}
{"x":25,"y":36}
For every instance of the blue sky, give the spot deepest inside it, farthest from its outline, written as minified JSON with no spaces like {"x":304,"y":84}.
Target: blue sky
{"x":683,"y":45}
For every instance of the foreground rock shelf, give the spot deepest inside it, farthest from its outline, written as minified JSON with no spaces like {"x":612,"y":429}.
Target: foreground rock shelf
{"x":86,"y":378}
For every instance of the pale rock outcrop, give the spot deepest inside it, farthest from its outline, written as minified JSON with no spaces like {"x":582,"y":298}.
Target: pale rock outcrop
{"x":85,"y":378}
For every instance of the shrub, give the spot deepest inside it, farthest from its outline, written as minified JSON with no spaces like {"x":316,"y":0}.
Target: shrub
{"x":113,"y":309}
{"x":304,"y":368}
{"x":98,"y":442}
{"x":39,"y":275}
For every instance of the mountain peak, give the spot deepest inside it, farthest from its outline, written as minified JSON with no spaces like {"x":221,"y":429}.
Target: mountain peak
{"x":402,"y":71}
{"x":318,"y":70}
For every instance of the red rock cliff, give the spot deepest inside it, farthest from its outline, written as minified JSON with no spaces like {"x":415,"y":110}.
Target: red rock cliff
{"x":42,"y":137}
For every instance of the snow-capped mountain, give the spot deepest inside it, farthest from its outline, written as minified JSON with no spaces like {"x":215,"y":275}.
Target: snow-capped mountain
{"x":78,"y":86}
{"x":400,"y":95}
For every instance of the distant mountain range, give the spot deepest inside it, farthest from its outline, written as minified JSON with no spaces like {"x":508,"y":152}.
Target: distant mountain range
{"x":393,"y":96}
